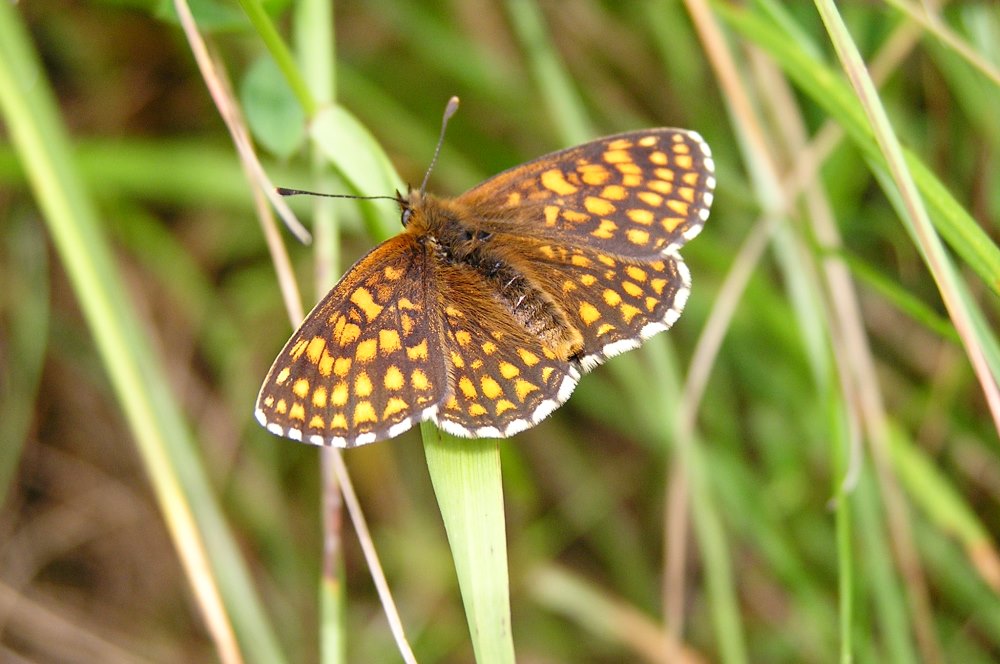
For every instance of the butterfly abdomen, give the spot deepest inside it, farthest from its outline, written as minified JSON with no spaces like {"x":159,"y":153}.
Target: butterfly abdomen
{"x":517,"y":289}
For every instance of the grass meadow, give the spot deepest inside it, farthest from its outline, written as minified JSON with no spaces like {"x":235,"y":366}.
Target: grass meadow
{"x":806,"y":468}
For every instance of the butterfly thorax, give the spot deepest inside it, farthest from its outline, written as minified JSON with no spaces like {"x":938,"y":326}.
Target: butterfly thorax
{"x":463,"y":239}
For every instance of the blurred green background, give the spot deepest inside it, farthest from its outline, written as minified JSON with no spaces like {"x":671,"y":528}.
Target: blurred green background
{"x":838,"y":366}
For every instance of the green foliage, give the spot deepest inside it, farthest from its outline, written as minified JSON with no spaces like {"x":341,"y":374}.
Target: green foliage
{"x":810,"y":442}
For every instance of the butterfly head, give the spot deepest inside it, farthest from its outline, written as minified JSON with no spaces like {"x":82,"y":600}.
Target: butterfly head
{"x":406,"y":206}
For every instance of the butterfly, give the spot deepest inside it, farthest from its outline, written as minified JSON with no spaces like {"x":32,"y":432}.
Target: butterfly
{"x":485,"y":311}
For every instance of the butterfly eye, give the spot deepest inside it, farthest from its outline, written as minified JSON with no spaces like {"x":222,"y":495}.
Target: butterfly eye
{"x":405,"y":218}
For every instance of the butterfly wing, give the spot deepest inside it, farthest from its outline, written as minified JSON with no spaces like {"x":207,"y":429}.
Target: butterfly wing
{"x":364,"y":364}
{"x":502,"y":380}
{"x":640,"y":194}
{"x":615,"y":303}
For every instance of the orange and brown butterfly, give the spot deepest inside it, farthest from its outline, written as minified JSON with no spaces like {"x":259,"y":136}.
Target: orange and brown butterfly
{"x":483,"y":313}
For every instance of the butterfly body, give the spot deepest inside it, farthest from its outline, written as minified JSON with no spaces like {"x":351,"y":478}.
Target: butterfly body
{"x":485,"y":311}
{"x":465,"y":238}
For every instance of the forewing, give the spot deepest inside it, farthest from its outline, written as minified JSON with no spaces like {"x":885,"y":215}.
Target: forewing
{"x":639,"y":194}
{"x":363,"y":365}
{"x":502,"y":380}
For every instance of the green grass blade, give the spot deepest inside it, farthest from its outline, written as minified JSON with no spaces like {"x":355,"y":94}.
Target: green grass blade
{"x":934,"y":493}
{"x":892,"y":638}
{"x":279,"y":51}
{"x":24,"y":269}
{"x":829,"y":91}
{"x":315,"y":46}
{"x":565,"y":109}
{"x":841,"y":455}
{"x":467,"y":482}
{"x":358,"y":158}
{"x":985,"y":334}
{"x":721,"y":587}
{"x":201,"y":537}
{"x":914,"y":212}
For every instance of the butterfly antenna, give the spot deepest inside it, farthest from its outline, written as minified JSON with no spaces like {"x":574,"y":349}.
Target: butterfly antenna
{"x":449,"y":111}
{"x":282,"y":191}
